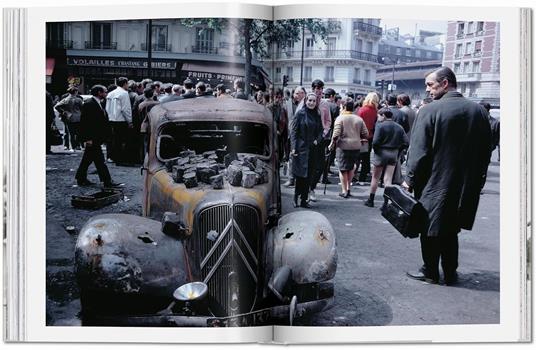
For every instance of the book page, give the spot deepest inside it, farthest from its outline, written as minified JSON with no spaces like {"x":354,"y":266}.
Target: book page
{"x":388,"y":50}
{"x":145,"y":258}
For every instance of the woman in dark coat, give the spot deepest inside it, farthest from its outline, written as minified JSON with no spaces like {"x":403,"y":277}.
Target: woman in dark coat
{"x":306,"y":132}
{"x":389,"y":139}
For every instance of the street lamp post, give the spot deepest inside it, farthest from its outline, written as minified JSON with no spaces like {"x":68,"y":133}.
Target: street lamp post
{"x":302,"y":50}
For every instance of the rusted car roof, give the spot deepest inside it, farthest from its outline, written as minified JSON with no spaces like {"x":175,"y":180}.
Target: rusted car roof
{"x":211,"y":109}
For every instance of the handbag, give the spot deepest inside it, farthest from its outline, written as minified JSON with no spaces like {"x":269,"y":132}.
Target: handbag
{"x":55,"y":136}
{"x":405,"y":213}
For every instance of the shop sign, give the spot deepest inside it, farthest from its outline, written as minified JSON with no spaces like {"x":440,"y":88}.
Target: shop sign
{"x":205,"y":76}
{"x":118,"y":63}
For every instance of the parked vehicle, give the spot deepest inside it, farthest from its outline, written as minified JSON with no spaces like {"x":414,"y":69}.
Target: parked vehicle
{"x":212,"y":248}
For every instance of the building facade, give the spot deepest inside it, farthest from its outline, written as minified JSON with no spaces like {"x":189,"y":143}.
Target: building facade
{"x":472,"y":51}
{"x":407,"y":77}
{"x":346,"y":62}
{"x":88,"y":53}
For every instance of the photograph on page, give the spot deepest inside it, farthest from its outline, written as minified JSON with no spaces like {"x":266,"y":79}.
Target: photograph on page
{"x":231,"y":172}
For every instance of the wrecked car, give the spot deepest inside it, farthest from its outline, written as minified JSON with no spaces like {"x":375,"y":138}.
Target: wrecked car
{"x":212,"y":248}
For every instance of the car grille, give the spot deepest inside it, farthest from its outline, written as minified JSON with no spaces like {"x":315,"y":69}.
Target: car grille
{"x":227,"y":240}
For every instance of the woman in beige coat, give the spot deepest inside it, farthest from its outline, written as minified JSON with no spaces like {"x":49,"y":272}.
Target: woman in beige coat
{"x":348,"y":134}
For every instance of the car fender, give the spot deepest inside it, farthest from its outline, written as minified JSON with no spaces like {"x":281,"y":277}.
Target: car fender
{"x":305,"y":242}
{"x":125,"y":254}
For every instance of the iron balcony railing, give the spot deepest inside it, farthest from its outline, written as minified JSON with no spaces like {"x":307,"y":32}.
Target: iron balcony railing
{"x":60,"y":44}
{"x":95,"y":45}
{"x":156,"y":47}
{"x":348,"y":54}
{"x":205,"y":50}
{"x":368,"y":28}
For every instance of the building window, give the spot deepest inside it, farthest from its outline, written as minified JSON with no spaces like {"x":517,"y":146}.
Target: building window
{"x":277,"y":73}
{"x":459,"y":48}
{"x":359,"y":45}
{"x":308,"y":73}
{"x":408,"y":52}
{"x":159,"y":37}
{"x":290,"y":73}
{"x":330,"y":74}
{"x":309,"y":44}
{"x":428,"y":54}
{"x":457,"y":68}
{"x":332,"y":46}
{"x":468,"y":48}
{"x":461,"y":29}
{"x":417,"y":53}
{"x":101,"y":35}
{"x":398,"y":51}
{"x":204,"y":40}
{"x":476,"y":67}
{"x":478,"y":46}
{"x":466,"y":67}
{"x":367,"y":77}
{"x":470,"y":27}
{"x":357,"y":75}
{"x":479,"y":26}
{"x":369,"y":46}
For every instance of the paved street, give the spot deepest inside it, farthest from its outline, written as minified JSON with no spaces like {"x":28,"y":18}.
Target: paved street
{"x":371,"y":286}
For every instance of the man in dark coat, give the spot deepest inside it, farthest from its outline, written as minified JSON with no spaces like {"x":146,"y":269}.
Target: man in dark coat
{"x":447,"y":166}
{"x":94,"y":131}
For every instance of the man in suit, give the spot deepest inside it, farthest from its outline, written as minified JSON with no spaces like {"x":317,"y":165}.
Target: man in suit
{"x":189,"y":91}
{"x":447,"y":166}
{"x":239,"y":90}
{"x":94,"y":130}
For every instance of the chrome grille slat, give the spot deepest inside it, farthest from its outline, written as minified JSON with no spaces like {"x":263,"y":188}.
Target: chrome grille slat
{"x":236,"y":249}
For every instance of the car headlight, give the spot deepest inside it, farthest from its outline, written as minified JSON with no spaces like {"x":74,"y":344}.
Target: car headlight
{"x":191,"y":291}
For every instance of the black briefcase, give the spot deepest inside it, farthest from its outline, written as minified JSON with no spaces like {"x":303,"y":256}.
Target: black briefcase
{"x":404,"y":212}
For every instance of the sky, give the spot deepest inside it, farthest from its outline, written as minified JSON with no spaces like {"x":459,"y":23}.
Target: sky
{"x":408,"y":26}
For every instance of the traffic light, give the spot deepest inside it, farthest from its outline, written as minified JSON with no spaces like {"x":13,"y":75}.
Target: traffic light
{"x":285,"y":80}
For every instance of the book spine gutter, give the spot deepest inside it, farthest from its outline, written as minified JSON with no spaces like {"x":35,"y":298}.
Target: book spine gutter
{"x":14,"y":150}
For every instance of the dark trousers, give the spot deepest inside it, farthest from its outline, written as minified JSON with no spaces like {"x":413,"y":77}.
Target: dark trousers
{"x":119,"y":141}
{"x":301,"y":188}
{"x":443,"y":247}
{"x":93,"y":154}
{"x":316,"y":164}
{"x":364,"y":160}
{"x":71,"y":132}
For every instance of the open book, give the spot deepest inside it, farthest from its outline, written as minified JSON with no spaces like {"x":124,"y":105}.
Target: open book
{"x":221,"y":238}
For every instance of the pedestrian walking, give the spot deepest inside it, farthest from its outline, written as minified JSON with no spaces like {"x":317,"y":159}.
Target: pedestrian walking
{"x":120,"y":115}
{"x":334,"y":111}
{"x":446,"y":169}
{"x":369,"y":113}
{"x":297,"y":103}
{"x":50,"y":121}
{"x":69,"y":110}
{"x":389,"y":139}
{"x":94,"y":130}
{"x":403,"y":102}
{"x":349,"y":129}
{"x":319,"y":150}
{"x":279,"y":114}
{"x":306,"y":133}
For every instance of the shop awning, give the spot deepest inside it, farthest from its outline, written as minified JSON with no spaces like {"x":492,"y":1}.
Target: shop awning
{"x":211,"y":68}
{"x":50,"y":66}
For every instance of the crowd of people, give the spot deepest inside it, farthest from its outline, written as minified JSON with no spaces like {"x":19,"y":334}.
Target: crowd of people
{"x":444,"y":142}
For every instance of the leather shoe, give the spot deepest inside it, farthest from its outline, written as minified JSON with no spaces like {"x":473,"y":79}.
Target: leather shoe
{"x":421,"y":276}
{"x":289,"y":184}
{"x":84,"y":182}
{"x":305,"y":205}
{"x":369,"y":203}
{"x":451,"y":279}
{"x":113,"y":184}
{"x":343,"y":195}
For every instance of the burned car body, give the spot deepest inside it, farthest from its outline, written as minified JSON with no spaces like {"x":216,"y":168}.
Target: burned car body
{"x":212,"y":248}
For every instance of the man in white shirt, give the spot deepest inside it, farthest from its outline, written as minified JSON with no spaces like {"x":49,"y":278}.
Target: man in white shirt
{"x":120,"y":115}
